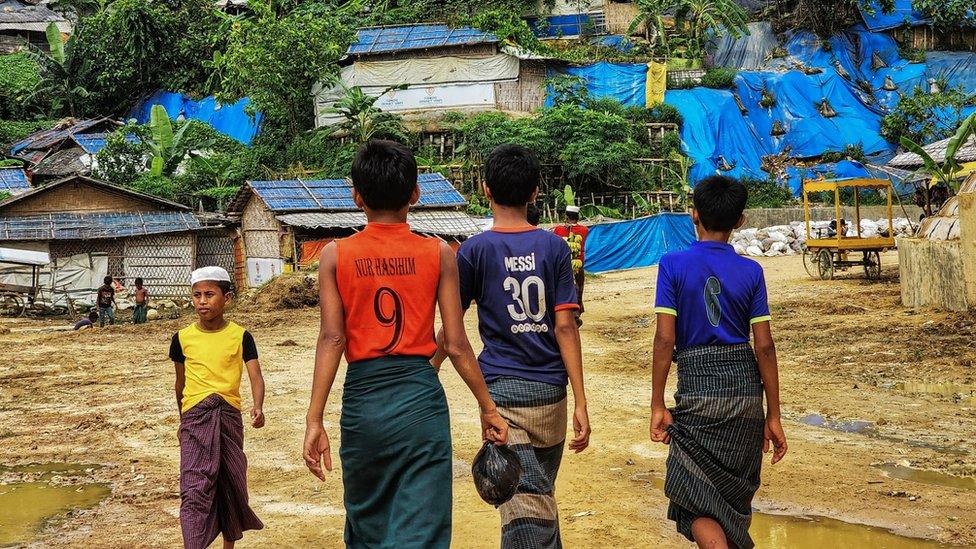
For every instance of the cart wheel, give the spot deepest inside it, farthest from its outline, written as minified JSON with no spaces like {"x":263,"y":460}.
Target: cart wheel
{"x":12,"y":305}
{"x":825,"y":265}
{"x":872,"y":265}
{"x":810,"y":262}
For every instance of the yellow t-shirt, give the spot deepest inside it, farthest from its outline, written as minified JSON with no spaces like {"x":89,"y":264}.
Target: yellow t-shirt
{"x":213,"y":362}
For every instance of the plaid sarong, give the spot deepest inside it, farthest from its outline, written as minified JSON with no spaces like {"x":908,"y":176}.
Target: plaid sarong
{"x":536,"y":415}
{"x":716,"y":440}
{"x":213,"y":475}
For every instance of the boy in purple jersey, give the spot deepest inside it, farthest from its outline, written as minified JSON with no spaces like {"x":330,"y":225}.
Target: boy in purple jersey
{"x":522,"y":280}
{"x":708,"y":299}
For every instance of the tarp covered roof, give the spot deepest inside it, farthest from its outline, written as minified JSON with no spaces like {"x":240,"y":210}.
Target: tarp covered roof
{"x":447,"y":223}
{"x":416,"y":37}
{"x":16,"y":15}
{"x":24,"y":257}
{"x":103,"y":185}
{"x":13,"y":180}
{"x":297,"y":195}
{"x":46,"y":139}
{"x":66,"y":226}
{"x":903,"y":14}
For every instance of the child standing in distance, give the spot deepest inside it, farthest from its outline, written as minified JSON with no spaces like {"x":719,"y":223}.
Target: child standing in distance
{"x":142,"y":303}
{"x":708,"y":298}
{"x":378,"y":290}
{"x":105,"y":301}
{"x":521,"y":278}
{"x":209,"y":356}
{"x":575,"y":235}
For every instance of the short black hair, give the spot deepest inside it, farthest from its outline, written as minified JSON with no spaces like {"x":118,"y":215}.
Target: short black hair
{"x":225,"y":286}
{"x":107,"y":280}
{"x":139,"y":281}
{"x":93,"y":315}
{"x":572,"y":216}
{"x":533,"y":215}
{"x":512,"y":174}
{"x":720,"y":201}
{"x":384,"y":173}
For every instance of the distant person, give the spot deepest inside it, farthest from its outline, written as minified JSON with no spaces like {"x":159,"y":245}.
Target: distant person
{"x":209,"y":356}
{"x":521,"y":279}
{"x":88,"y":322}
{"x":533,"y":215}
{"x":379,"y":290}
{"x":142,"y":303}
{"x":106,"y":302}
{"x":708,"y":299}
{"x":575,"y":235}
{"x":832,"y":230}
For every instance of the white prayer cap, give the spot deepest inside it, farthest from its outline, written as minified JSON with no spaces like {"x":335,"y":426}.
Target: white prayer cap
{"x":217,"y":274}
{"x":572,"y":209}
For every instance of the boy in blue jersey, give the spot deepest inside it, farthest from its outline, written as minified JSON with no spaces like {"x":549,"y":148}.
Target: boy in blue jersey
{"x":522,"y":280}
{"x":708,"y":299}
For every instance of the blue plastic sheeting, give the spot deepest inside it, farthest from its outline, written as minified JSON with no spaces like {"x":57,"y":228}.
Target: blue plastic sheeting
{"x":746,"y":52}
{"x":558,"y":26}
{"x":637,"y":243}
{"x":845,"y":169}
{"x":47,"y":138}
{"x":903,"y":14}
{"x":336,"y":194}
{"x":624,"y":82}
{"x":230,"y":120}
{"x":619,"y":43}
{"x":60,"y":226}
{"x":13,"y":180}
{"x":416,"y":37}
{"x":957,"y":68}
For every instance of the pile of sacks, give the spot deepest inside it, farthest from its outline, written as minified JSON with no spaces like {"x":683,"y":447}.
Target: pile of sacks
{"x":789,"y":239}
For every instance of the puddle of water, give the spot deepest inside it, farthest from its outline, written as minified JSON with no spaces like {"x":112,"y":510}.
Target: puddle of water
{"x":26,"y":506}
{"x":844,"y":426}
{"x":940,"y":389}
{"x":782,"y":532}
{"x":927,"y":477}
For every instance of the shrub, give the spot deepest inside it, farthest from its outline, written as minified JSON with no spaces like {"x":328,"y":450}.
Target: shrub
{"x":925,"y":117}
{"x":19,"y":75}
{"x":662,"y":112}
{"x":121,"y":161}
{"x":485,"y":131}
{"x":156,"y":185}
{"x":767,"y":194}
{"x":720,"y":78}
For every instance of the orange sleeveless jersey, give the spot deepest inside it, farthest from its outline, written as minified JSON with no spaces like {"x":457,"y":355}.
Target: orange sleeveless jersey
{"x":388,"y":278}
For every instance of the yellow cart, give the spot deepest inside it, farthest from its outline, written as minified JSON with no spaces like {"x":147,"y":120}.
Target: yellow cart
{"x":825,"y":253}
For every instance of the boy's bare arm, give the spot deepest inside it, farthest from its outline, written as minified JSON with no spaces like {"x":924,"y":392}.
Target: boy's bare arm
{"x":664,"y":338}
{"x":570,"y":348}
{"x":769,"y":371}
{"x":441,"y":354}
{"x":180,"y":383}
{"x":329,"y":347}
{"x":257,"y":392}
{"x":458,"y":348}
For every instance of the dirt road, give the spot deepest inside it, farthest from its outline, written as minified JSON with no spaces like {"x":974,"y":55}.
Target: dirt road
{"x":848,"y":351}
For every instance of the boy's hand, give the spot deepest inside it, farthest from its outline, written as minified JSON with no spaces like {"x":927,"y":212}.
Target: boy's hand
{"x":581,"y":427}
{"x":317,"y":450}
{"x":773,"y":432}
{"x":660,"y":421}
{"x":257,"y":418}
{"x":494,"y":427}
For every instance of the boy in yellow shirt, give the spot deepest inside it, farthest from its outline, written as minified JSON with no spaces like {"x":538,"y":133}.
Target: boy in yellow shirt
{"x":209,"y":356}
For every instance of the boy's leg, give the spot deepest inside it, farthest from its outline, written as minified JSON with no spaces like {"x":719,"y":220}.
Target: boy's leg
{"x":101,"y":317}
{"x":199,"y":436}
{"x":234,"y":514}
{"x":536,"y":413}
{"x":111,"y":315}
{"x":709,"y":534}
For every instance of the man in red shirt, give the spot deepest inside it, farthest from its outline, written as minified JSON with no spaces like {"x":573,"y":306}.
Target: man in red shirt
{"x":575,"y":236}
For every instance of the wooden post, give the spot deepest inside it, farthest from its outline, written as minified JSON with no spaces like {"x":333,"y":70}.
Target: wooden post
{"x":837,"y":217}
{"x":857,"y":210}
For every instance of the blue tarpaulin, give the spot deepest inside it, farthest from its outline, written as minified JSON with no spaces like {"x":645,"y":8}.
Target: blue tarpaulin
{"x":230,"y":120}
{"x":619,"y":43}
{"x":416,"y":37}
{"x":625,"y":82}
{"x":558,"y":26}
{"x":903,"y":14}
{"x":637,"y":243}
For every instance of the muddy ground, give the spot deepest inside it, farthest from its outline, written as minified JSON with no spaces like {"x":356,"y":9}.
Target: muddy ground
{"x":846,"y":350}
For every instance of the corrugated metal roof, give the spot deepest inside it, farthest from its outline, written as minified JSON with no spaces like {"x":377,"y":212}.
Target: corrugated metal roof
{"x":63,"y":226}
{"x":13,"y":180}
{"x":445,"y":223}
{"x":48,"y":138}
{"x":937,"y":151}
{"x":168,"y":204}
{"x":336,"y":194}
{"x":416,"y":37}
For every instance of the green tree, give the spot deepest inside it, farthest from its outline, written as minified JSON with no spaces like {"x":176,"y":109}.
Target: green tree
{"x":694,"y":19}
{"x":944,"y":173}
{"x":19,"y":75}
{"x":63,"y":74}
{"x":947,"y":14}
{"x":276,"y":60}
{"x":924,"y":117}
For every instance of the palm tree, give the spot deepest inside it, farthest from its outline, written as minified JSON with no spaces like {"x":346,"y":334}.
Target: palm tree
{"x":62,"y":74}
{"x":362,"y":119}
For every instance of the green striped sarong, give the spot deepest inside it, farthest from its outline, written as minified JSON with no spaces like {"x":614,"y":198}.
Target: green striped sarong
{"x":396,"y":455}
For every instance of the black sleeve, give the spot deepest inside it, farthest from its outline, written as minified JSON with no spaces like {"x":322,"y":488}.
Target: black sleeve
{"x":176,"y":350}
{"x":250,"y":349}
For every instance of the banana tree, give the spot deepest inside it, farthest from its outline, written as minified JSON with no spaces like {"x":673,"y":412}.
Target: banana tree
{"x":167,"y":149}
{"x":362,"y":119}
{"x":61,"y":72}
{"x":944,"y":173}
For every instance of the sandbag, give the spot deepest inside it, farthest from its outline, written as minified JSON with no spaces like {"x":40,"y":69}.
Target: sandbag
{"x":496,"y":471}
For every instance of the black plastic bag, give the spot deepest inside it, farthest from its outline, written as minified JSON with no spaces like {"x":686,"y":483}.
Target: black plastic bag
{"x":497,"y":471}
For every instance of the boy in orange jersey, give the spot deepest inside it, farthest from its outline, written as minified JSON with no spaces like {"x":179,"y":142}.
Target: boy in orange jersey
{"x":378,"y":290}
